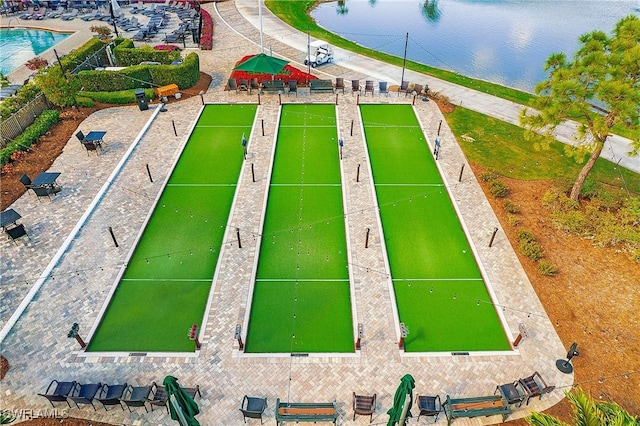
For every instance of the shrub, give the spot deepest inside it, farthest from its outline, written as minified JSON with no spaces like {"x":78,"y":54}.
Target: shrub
{"x":36,"y":63}
{"x":510,"y":207}
{"x":133,"y":77}
{"x":184,"y":75}
{"x":102,"y":30}
{"x":513,"y":219}
{"x":120,"y":98}
{"x":547,"y":268}
{"x":525,"y":235}
{"x":59,"y":90}
{"x":78,"y":56}
{"x":166,"y":47}
{"x":488,"y":176}
{"x":23,"y":96}
{"x":31,"y":134}
{"x":531,"y":249}
{"x":498,"y":189}
{"x":127,"y":55}
{"x":84,"y":102}
{"x":206,"y":36}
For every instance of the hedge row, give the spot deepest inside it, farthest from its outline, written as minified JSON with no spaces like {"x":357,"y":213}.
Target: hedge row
{"x":127,"y":55}
{"x":79,"y":55}
{"x":184,"y":75}
{"x":206,"y":36}
{"x":23,"y":96}
{"x":31,"y":134}
{"x":119,"y":98}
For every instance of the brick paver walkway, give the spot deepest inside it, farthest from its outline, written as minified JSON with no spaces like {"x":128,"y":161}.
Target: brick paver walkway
{"x":38,"y":348}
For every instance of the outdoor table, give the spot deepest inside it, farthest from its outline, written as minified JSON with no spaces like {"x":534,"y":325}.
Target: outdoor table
{"x":46,"y":179}
{"x":94,"y":137}
{"x":9,"y":218}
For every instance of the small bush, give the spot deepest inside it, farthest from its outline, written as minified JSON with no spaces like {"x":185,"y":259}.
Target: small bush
{"x":547,"y":268}
{"x":513,"y":219}
{"x":531,"y":249}
{"x":510,"y":207}
{"x":525,"y":235}
{"x":31,"y":134}
{"x":488,"y":176}
{"x":498,"y":189}
{"x":119,"y":98}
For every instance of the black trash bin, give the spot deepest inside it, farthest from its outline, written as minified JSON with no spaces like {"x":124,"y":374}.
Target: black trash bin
{"x":142,"y":100}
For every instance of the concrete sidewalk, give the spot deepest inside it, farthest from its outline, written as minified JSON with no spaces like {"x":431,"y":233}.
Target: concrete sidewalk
{"x":616,"y":149}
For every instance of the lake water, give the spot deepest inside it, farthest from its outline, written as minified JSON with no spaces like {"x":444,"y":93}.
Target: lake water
{"x":502,"y":41}
{"x":17,"y":46}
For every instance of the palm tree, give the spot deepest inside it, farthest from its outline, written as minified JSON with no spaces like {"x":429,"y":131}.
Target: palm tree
{"x":587,"y":412}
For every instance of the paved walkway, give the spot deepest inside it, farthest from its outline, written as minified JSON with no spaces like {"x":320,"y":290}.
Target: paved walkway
{"x":38,"y":348}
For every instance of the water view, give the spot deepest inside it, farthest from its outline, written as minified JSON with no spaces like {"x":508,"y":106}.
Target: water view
{"x":503,"y":41}
{"x":17,"y":46}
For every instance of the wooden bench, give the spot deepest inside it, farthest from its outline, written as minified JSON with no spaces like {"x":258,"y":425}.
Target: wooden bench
{"x":321,"y":86}
{"x":167,"y":91}
{"x":476,"y":407}
{"x":306,"y":412}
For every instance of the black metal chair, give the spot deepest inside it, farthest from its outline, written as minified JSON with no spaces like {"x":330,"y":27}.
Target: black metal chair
{"x":293,"y":87}
{"x":364,"y":405}
{"x":253,"y":408}
{"x":84,"y":394}
{"x":368,"y":87}
{"x":513,"y":393}
{"x":26,"y":181}
{"x":59,"y":393}
{"x":92,"y":146}
{"x":44,"y":191}
{"x":80,"y":136}
{"x":254,"y":85}
{"x":17,"y":232}
{"x":232,"y":84}
{"x":160,"y":396}
{"x":136,"y":397}
{"x":110,"y":395}
{"x":429,"y":406}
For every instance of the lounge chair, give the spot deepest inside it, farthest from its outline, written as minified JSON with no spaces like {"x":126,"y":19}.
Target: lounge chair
{"x":252,"y":407}
{"x":382,"y":88}
{"x":355,"y":86}
{"x":340,"y":84}
{"x":56,"y":13}
{"x":368,"y":87}
{"x":17,"y":232}
{"x":136,"y":397}
{"x":69,"y":16}
{"x":84,"y":394}
{"x":90,"y":16}
{"x":364,"y":405}
{"x":160,"y":396}
{"x":58,"y":393}
{"x":293,"y":87}
{"x":110,"y":395}
{"x":40,"y":15}
{"x":429,"y":406}
{"x":173,"y":38}
{"x":232,"y":84}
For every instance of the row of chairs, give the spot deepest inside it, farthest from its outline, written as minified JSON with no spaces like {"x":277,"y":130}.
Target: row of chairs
{"x":110,"y":395}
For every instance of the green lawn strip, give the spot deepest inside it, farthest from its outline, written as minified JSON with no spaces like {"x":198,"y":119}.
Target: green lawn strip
{"x":501,"y":147}
{"x":423,"y":235}
{"x":151,"y":316}
{"x":303,"y":238}
{"x":455,"y":315}
{"x":319,"y":318}
{"x":398,"y":151}
{"x":184,"y":234}
{"x":304,"y":228}
{"x":307,"y":146}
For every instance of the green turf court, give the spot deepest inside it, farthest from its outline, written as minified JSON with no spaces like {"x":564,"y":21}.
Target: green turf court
{"x":439,"y":290}
{"x":301,"y":300}
{"x":166,"y":284}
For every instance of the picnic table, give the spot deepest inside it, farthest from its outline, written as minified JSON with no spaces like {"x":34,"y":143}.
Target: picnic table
{"x":306,"y":412}
{"x":475,"y":407}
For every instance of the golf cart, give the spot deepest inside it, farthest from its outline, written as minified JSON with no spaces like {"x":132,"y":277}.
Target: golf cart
{"x":322,"y":53}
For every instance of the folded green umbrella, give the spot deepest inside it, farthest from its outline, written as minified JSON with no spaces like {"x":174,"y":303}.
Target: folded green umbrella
{"x":185,"y":407}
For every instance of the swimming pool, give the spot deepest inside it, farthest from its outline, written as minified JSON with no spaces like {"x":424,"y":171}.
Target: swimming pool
{"x":18,"y":45}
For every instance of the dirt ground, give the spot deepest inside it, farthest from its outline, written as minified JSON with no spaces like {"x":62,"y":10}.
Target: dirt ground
{"x":593,"y":300}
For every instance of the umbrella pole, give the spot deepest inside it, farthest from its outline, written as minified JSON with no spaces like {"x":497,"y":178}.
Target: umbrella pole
{"x":405,"y":409}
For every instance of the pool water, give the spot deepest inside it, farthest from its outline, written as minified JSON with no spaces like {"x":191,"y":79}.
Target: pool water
{"x":17,"y":46}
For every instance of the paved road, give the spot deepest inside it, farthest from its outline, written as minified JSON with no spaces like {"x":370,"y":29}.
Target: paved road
{"x":617,"y":148}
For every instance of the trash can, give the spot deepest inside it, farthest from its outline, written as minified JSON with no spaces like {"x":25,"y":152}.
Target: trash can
{"x":141,"y":99}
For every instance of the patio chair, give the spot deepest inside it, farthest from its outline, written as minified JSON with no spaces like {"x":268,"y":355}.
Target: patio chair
{"x":232,"y":84}
{"x":160,"y":396}
{"x":26,"y":181}
{"x":535,"y":386}
{"x":80,"y":136}
{"x":69,"y":16}
{"x":429,"y":406}
{"x":340,"y":84}
{"x":254,"y":85}
{"x":293,"y":87}
{"x":136,"y":397}
{"x":243,"y":85}
{"x":513,"y":393}
{"x":44,"y":191}
{"x":364,"y":405}
{"x":17,"y":232}
{"x":59,"y":393}
{"x":403,"y":87}
{"x":84,"y":394}
{"x":253,"y":408}
{"x":40,"y":15}
{"x":382,"y":88}
{"x":355,"y":86}
{"x":417,"y":89}
{"x":368,"y":87}
{"x":110,"y":395}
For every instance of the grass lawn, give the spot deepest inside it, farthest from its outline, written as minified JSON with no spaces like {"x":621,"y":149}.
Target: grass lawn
{"x":165,"y":287}
{"x":302,"y":287}
{"x":435,"y":275}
